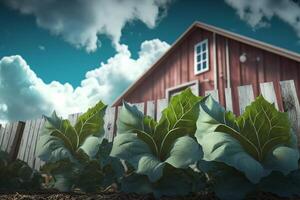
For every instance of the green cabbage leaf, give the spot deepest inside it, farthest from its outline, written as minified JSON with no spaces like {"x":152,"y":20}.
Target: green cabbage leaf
{"x":78,"y":156}
{"x":149,"y":146}
{"x":256,"y":143}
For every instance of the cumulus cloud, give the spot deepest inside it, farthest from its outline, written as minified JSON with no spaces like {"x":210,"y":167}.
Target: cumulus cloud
{"x":23,"y":95}
{"x":258,"y":13}
{"x":80,"y":22}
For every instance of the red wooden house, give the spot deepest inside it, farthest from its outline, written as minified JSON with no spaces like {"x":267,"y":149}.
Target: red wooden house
{"x":209,"y":58}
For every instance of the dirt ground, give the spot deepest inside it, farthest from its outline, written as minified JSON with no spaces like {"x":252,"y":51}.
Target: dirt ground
{"x":104,"y":196}
{"x":116,"y":196}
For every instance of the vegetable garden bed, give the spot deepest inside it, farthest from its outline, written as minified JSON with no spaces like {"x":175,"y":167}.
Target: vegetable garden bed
{"x":197,"y":150}
{"x":121,"y":196}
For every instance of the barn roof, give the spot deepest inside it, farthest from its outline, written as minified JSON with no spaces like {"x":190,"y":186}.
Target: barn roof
{"x":219,"y":31}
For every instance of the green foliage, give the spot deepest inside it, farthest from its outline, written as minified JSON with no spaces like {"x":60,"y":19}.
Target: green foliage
{"x":78,"y":157}
{"x":150,"y":146}
{"x":225,"y":181}
{"x":17,"y":175}
{"x":249,"y":148}
{"x":281,"y":185}
{"x":174,"y":182}
{"x":236,"y":156}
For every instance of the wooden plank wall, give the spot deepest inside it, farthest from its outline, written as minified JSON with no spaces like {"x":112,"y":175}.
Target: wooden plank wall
{"x":10,"y":136}
{"x":27,"y":149}
{"x":177,"y":67}
{"x":176,"y":70}
{"x":31,"y":129}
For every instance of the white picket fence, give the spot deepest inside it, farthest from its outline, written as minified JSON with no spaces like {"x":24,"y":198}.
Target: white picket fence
{"x":20,"y":139}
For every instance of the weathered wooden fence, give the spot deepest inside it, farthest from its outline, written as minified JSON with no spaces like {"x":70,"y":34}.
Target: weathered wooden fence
{"x":19,"y":139}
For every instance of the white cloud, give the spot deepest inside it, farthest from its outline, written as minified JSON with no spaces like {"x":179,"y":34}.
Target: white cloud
{"x":81,"y":22}
{"x":258,"y":13}
{"x":25,"y":96}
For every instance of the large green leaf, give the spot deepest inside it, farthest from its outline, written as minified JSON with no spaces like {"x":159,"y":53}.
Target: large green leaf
{"x":184,"y":152}
{"x":60,"y":136}
{"x":130,"y":147}
{"x":91,"y":146}
{"x":52,"y":149}
{"x":73,"y":155}
{"x":90,"y":123}
{"x":131,"y":120}
{"x":178,"y":119}
{"x":259,"y":141}
{"x":61,"y":129}
{"x":260,"y":129}
{"x":147,"y":146}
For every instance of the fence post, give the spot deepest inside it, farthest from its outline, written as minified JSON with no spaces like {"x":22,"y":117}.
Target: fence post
{"x":151,"y":109}
{"x":31,"y":153}
{"x":228,"y":99}
{"x":291,"y":104}
{"x":246,"y":96}
{"x":15,"y":141}
{"x":24,"y":140}
{"x":109,"y":120}
{"x":6,"y":135}
{"x":161,"y":105}
{"x":268,"y":92}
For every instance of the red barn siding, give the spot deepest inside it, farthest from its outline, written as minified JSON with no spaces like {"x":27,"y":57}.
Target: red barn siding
{"x":221,"y":66}
{"x":235,"y":74}
{"x":178,"y":68}
{"x":269,"y":68}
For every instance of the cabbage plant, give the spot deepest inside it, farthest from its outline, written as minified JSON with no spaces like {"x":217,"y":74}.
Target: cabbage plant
{"x":150,"y":147}
{"x":78,"y":156}
{"x":246,"y":152}
{"x":16,"y":175}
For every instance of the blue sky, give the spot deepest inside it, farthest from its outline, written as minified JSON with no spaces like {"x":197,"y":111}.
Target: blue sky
{"x":63,"y":55}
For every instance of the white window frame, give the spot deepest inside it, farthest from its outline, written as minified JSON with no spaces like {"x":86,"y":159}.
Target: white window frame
{"x":180,"y":88}
{"x":196,"y":54}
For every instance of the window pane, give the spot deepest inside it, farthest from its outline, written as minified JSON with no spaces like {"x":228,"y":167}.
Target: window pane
{"x":198,"y":49}
{"x":204,"y":56}
{"x":199,"y":67}
{"x":204,"y":64}
{"x":204,"y":46}
{"x":198,"y":58}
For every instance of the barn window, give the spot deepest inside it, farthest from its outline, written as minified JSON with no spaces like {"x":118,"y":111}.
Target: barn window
{"x":201,"y":57}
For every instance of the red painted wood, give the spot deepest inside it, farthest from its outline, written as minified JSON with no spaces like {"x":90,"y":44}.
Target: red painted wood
{"x":184,"y":62}
{"x":208,"y":77}
{"x":162,"y":83}
{"x":196,"y":37}
{"x":249,"y":68}
{"x":178,"y":68}
{"x":291,"y":73}
{"x":221,"y":64}
{"x":235,"y":74}
{"x":260,"y":66}
{"x":272,"y":73}
{"x":176,"y":71}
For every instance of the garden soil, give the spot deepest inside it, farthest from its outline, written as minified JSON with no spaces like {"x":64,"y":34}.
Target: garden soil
{"x":116,"y":196}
